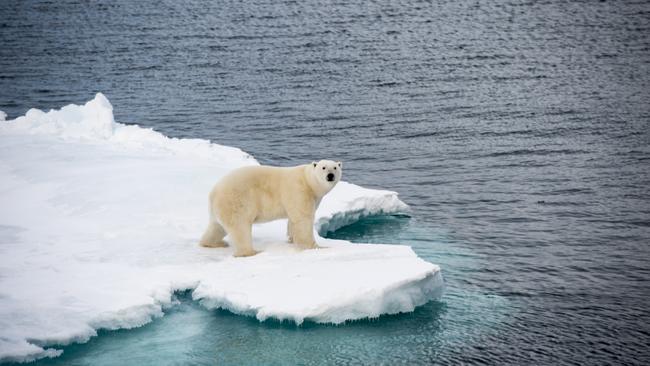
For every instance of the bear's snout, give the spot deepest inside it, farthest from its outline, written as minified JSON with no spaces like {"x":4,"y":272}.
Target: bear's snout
{"x":330,"y":177}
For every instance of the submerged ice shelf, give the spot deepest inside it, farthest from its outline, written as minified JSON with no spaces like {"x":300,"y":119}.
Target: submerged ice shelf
{"x":99,"y":225}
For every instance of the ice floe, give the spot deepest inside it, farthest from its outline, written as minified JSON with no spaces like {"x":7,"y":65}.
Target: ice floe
{"x":99,"y":224}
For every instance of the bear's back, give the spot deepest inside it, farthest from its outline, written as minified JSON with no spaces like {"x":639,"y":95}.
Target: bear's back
{"x":258,"y":177}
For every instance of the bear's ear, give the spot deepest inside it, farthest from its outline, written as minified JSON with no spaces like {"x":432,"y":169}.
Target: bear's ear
{"x":314,"y":163}
{"x":339,"y":163}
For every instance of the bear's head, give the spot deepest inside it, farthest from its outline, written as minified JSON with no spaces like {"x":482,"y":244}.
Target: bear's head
{"x":326,"y":173}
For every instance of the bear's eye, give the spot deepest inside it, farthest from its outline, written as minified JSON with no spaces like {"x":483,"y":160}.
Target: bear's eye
{"x":323,"y":168}
{"x":334,"y":168}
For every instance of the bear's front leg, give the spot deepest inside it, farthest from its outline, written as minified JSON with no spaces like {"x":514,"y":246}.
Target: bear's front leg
{"x":301,"y":217}
{"x":303,"y":234}
{"x":289,"y":231}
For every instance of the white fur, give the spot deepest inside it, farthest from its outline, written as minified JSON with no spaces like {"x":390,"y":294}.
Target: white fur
{"x":263,"y":193}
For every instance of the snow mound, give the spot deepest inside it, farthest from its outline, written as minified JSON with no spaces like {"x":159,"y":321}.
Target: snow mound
{"x":93,"y":122}
{"x":361,"y":202}
{"x":99,"y":226}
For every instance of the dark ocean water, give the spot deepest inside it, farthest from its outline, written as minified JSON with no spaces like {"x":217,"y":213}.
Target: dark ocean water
{"x":518,"y":132}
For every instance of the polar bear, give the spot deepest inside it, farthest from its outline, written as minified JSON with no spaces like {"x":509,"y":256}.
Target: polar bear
{"x":265,"y":193}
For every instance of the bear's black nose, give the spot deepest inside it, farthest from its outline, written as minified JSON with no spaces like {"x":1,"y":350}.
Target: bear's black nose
{"x":330,"y":177}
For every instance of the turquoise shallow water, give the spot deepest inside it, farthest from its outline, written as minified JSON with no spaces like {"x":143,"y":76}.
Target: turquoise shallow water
{"x":436,"y":332}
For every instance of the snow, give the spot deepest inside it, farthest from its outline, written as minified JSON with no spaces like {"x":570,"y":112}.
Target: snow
{"x":99,"y":226}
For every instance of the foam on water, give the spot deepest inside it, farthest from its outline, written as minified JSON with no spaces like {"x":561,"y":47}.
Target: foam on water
{"x":99,"y":228}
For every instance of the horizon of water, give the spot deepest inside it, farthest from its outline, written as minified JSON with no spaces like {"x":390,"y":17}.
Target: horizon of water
{"x":517,"y":132}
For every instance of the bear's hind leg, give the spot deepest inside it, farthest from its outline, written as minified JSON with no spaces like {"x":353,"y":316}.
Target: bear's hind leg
{"x":213,"y":236}
{"x":242,"y":239}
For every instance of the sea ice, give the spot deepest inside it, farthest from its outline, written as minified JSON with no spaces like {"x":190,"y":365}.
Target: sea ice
{"x":99,"y":226}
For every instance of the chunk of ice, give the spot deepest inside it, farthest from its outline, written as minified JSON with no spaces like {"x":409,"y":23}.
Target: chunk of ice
{"x":99,"y":225}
